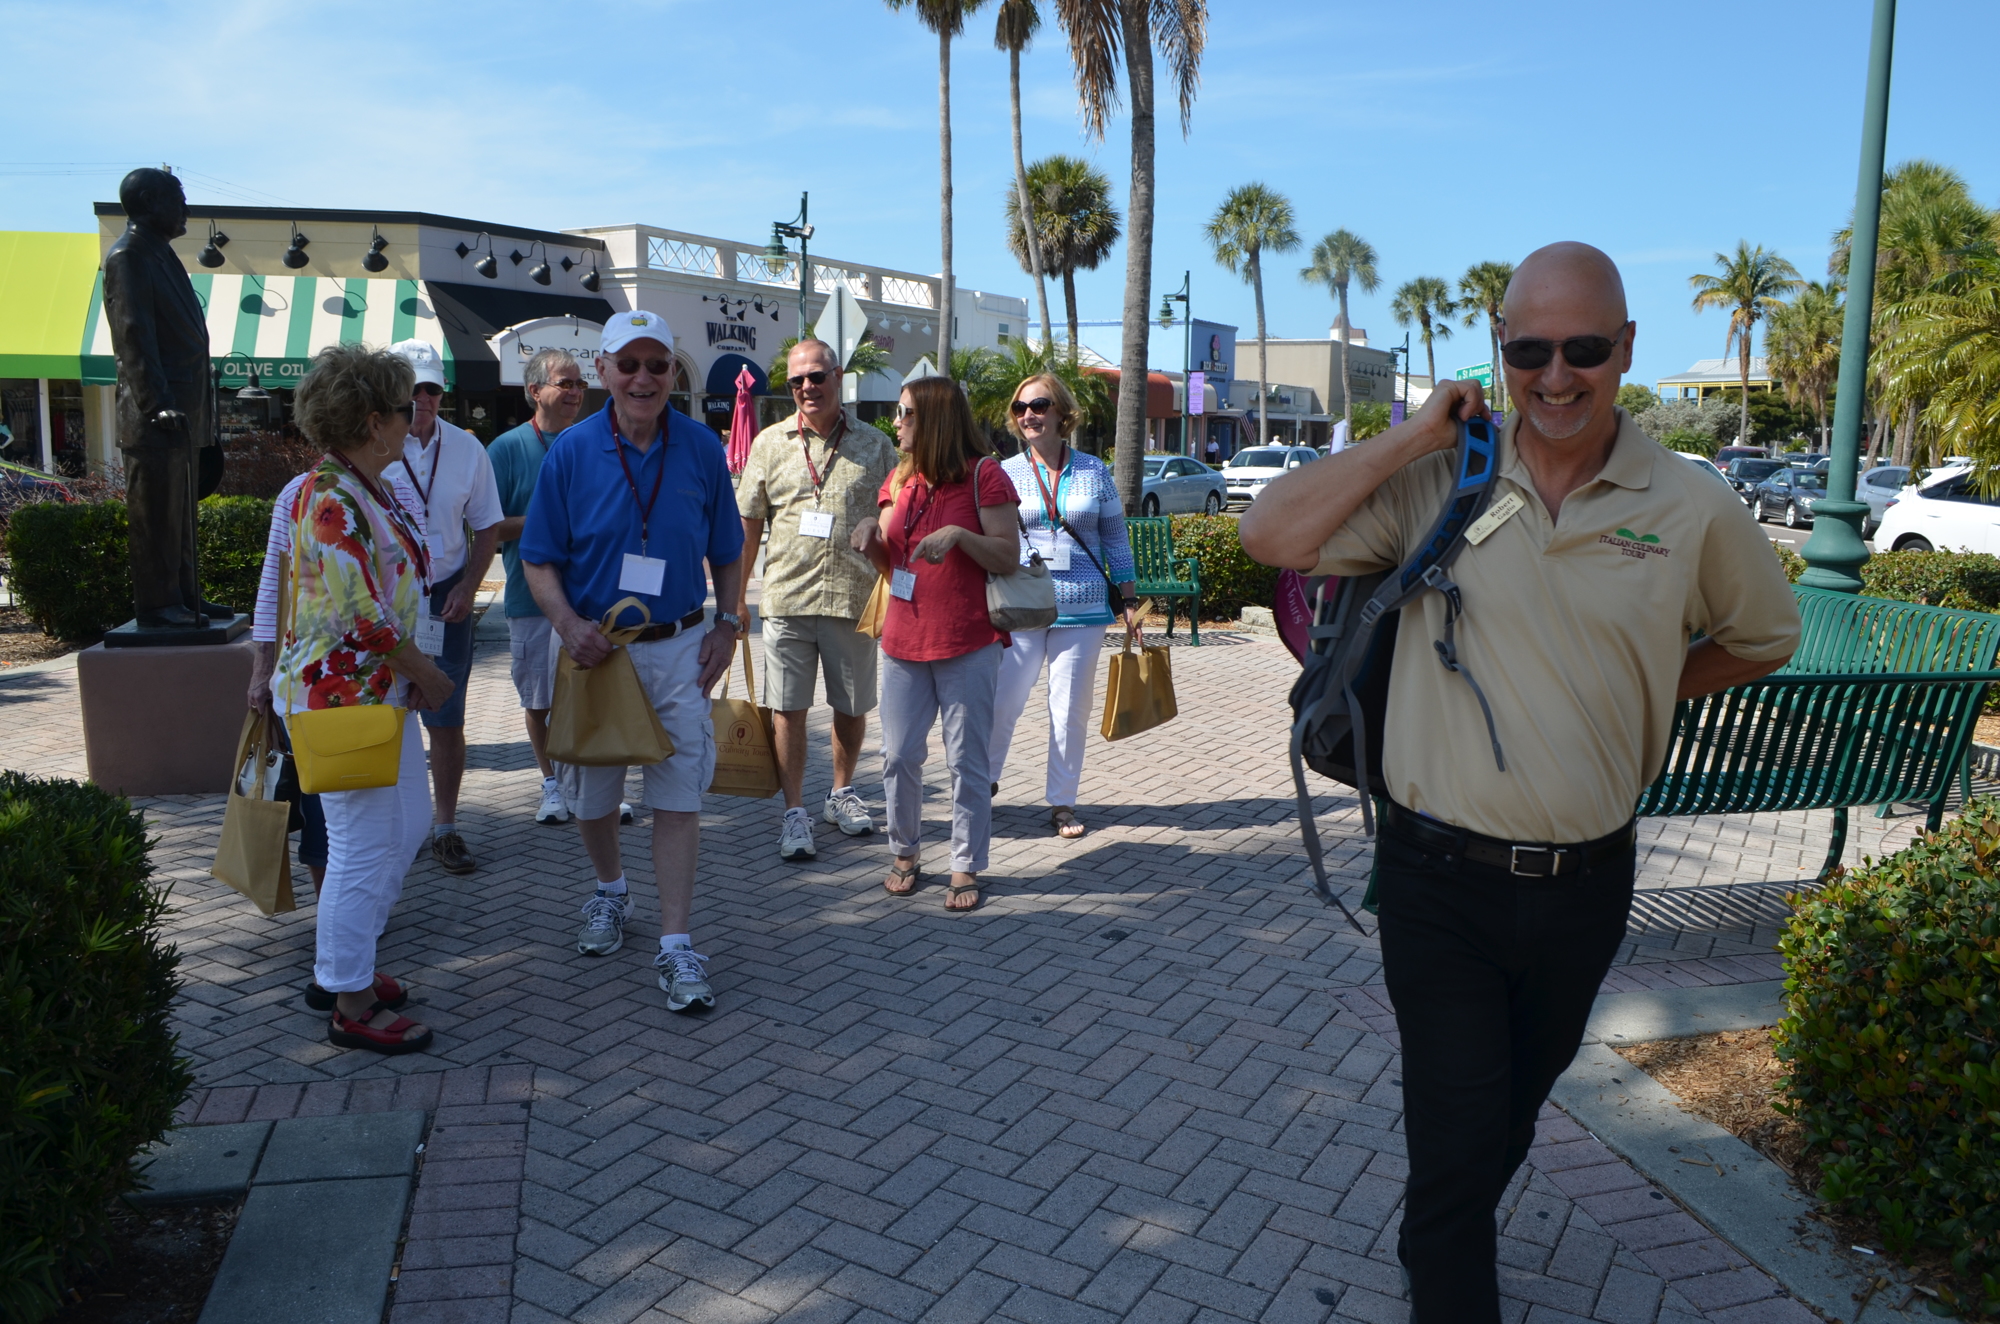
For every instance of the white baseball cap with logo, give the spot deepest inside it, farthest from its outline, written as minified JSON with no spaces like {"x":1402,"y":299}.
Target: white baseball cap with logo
{"x":621,"y":329}
{"x":422,"y":356}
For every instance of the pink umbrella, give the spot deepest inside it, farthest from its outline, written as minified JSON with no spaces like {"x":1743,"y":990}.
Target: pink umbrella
{"x":743,"y":425}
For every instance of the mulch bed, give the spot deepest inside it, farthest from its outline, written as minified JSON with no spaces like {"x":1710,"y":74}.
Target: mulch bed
{"x":162,"y":1261}
{"x":22,"y":641}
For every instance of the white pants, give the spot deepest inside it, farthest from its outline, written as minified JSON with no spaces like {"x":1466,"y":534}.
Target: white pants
{"x":914,"y":695}
{"x":1070,"y":651}
{"x":372,"y":837}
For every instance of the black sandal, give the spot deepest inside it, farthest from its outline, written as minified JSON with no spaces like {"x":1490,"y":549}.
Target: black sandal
{"x":912,"y":874}
{"x":960,"y":889}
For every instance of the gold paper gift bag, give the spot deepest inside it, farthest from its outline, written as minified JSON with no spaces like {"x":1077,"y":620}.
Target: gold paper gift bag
{"x":876,"y":612}
{"x":600,"y":717}
{"x":254,"y":855}
{"x":1140,"y":693}
{"x":746,"y":761}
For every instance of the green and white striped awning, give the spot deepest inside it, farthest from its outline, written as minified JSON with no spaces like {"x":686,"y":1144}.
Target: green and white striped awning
{"x":275,"y":324}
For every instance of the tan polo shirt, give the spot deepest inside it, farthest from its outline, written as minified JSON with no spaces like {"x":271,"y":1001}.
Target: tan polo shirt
{"x":1576,"y":631}
{"x":806,"y":576}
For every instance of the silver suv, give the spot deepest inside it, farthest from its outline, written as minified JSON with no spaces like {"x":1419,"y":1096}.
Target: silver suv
{"x":1249,"y":470}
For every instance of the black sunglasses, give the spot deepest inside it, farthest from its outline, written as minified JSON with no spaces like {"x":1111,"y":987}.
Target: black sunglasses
{"x":429,"y":388}
{"x":409,"y":412}
{"x":567,"y":384}
{"x":817,"y":377}
{"x":1529,"y":353}
{"x":658,"y":367}
{"x":1039,"y":405}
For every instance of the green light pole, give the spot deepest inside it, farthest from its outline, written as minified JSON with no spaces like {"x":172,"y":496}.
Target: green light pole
{"x":1835,"y":553}
{"x":776,"y":255}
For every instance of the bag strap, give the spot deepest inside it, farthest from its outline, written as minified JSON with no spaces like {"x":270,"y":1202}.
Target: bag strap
{"x":627,"y":633}
{"x":749,"y":677}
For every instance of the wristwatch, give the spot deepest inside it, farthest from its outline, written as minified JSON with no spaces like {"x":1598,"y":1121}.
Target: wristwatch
{"x":734,"y":621}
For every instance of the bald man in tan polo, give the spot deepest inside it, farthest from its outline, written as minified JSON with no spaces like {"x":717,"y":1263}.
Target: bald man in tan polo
{"x":1504,"y":890}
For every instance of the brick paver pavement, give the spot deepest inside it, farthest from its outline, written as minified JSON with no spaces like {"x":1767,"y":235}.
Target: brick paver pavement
{"x":1151,"y":1079}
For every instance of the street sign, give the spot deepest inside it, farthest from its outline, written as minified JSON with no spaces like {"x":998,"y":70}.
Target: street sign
{"x":841,"y":325}
{"x":1479,"y":372}
{"x":1197,"y":387}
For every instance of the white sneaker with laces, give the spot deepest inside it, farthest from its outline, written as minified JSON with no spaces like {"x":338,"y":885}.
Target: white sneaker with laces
{"x":624,"y":814}
{"x":795,"y":839}
{"x":553,"y":809}
{"x":603,"y":930}
{"x":846,"y":811}
{"x":684,"y":979}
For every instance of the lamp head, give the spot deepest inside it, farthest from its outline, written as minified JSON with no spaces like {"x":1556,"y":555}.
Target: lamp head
{"x":211,"y":252}
{"x":775,"y":252}
{"x":295,"y":256}
{"x":373,"y":260}
{"x":589,"y":279}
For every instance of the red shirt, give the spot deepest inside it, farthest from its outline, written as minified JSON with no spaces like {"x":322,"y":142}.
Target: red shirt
{"x":945,"y":616}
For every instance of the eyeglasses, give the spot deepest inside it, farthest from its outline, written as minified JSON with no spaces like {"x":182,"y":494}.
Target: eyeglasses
{"x":1039,"y":405}
{"x":658,"y":367}
{"x":1529,"y":353}
{"x":799,"y":379}
{"x":429,"y":388}
{"x":567,"y":384}
{"x":409,"y":412}
{"x":903,"y":412}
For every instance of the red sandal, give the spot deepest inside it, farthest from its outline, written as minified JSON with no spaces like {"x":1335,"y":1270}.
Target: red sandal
{"x":356,"y":1032}
{"x":387,"y":991}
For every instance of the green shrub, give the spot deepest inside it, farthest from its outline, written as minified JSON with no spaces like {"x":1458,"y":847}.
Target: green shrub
{"x":1964,"y":581}
{"x":1892,"y":1040}
{"x":230,"y":533}
{"x":1691,"y":441}
{"x":1230,"y":581}
{"x":86,"y":981}
{"x":70,"y":566}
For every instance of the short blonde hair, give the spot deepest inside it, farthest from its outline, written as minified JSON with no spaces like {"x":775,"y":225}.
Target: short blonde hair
{"x":347,"y":383}
{"x":1066,"y":411}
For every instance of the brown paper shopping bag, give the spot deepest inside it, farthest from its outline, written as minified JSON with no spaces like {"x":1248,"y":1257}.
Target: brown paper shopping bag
{"x":600,"y":717}
{"x":876,"y":612}
{"x":254,"y":855}
{"x":746,"y":761}
{"x":1140,"y":692}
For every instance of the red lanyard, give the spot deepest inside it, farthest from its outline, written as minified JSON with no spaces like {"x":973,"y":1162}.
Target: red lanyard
{"x":394,"y":510}
{"x":913,"y":515}
{"x":645,"y":507}
{"x":425,"y":492}
{"x":1051,"y":502}
{"x":832,"y":453}
{"x":540,"y":440}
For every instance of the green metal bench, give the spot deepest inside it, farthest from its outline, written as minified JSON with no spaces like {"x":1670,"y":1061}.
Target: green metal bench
{"x":1877,"y":706}
{"x":1162,"y":575}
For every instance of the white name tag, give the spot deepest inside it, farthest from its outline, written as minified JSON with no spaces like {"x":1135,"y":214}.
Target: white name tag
{"x":816,"y":524}
{"x":1497,"y":514}
{"x":642,"y":574}
{"x":903,"y":584}
{"x":1053,"y":545}
{"x":430,"y":635}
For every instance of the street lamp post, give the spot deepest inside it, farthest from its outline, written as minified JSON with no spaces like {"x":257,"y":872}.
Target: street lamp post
{"x":1187,"y":349}
{"x":1835,"y":553}
{"x":775,"y":254}
{"x":1398,"y":415}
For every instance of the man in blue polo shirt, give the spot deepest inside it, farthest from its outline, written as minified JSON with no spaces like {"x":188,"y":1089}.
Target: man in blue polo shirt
{"x":629,"y":503}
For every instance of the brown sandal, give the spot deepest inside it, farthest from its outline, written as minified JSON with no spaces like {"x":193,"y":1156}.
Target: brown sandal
{"x":1062,"y":818}
{"x":960,"y":889}
{"x":911,"y":874}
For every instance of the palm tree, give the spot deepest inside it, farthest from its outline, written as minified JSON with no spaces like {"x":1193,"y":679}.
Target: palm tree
{"x":1099,"y":32}
{"x":1484,"y":287}
{"x":1252,"y":219}
{"x":1427,"y":302}
{"x":1341,"y":257}
{"x":1016,"y":28}
{"x":947,"y":19}
{"x":1802,"y":344}
{"x":1946,"y":352}
{"x":1749,"y":286}
{"x":1075,"y":223}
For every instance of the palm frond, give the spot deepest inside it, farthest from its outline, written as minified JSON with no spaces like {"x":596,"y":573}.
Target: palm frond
{"x":1096,"y":39}
{"x":1180,"y":32}
{"x":1016,"y":24}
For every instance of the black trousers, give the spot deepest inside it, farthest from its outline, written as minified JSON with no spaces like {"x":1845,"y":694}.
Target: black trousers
{"x":160,"y":521}
{"x":1492,"y":976}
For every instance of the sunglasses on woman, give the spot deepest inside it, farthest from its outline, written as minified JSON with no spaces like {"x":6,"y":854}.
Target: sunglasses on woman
{"x":1039,"y":405}
{"x":903,"y":412}
{"x":1529,"y":353}
{"x":798,"y":379}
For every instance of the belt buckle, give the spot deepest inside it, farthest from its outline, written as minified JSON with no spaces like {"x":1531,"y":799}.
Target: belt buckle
{"x":1554,"y":854}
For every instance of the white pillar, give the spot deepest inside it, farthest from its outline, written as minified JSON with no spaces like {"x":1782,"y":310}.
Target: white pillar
{"x":48,"y":436}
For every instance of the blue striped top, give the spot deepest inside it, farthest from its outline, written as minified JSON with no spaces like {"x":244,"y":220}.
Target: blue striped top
{"x":1089,"y":502}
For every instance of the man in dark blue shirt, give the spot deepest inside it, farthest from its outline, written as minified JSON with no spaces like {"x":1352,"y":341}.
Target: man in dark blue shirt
{"x":629,"y":503}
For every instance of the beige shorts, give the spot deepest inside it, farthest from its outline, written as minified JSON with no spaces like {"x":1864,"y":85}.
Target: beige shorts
{"x":531,"y":640}
{"x":670,"y":671}
{"x":800,"y":649}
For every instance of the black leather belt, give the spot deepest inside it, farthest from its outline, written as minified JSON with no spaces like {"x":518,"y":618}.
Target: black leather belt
{"x":1528,"y":859}
{"x":654,"y":633}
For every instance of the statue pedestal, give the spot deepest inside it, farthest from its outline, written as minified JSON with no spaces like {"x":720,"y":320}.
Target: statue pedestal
{"x":221,"y":630}
{"x":164,"y":720}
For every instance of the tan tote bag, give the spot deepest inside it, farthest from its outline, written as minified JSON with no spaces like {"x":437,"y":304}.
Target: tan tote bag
{"x":600,"y":717}
{"x":254,"y":855}
{"x":876,"y":613}
{"x":1140,"y":692}
{"x":746,"y":760}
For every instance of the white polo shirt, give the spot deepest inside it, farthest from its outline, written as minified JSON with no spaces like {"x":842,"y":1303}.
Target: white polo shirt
{"x":454,"y":484}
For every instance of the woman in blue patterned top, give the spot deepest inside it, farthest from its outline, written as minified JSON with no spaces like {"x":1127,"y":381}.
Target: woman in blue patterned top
{"x":1073,"y":517}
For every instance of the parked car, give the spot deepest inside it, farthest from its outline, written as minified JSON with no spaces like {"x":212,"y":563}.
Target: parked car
{"x":19,"y":485}
{"x":1703,"y":463}
{"x":1728,"y":453}
{"x":1250,"y":469}
{"x":1878,"y":487}
{"x":1173,"y":483}
{"x":1791,"y":493}
{"x":1946,"y":512}
{"x":1745,"y":472}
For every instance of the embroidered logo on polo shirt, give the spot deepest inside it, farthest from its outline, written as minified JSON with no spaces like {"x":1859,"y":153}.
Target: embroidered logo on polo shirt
{"x":1636,"y":545}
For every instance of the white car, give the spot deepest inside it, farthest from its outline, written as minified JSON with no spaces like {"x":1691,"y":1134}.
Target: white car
{"x":1250,"y":469}
{"x":1945,"y":512}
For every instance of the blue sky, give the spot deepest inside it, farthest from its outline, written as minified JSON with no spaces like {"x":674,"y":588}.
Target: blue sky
{"x":1445,"y":133}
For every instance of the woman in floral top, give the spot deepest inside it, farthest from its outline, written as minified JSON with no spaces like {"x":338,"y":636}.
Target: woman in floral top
{"x":361,"y":573}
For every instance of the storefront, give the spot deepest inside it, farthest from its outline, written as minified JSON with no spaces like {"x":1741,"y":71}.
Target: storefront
{"x":53,"y":421}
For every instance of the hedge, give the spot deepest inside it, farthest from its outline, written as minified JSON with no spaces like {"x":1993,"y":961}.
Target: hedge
{"x":1230,"y":581}
{"x":87,"y":981}
{"x":1966,"y":581}
{"x":1892,"y":1040}
{"x":70,"y":568}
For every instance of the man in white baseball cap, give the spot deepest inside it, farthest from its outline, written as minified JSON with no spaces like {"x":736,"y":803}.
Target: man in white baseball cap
{"x":453,"y":479}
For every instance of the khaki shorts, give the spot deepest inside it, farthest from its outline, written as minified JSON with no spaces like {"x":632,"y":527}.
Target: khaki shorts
{"x":799,"y":649}
{"x":670,"y":672}
{"x":532,"y":640}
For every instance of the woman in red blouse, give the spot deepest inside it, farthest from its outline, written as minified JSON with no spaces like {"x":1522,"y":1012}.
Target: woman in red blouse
{"x":937,"y":541}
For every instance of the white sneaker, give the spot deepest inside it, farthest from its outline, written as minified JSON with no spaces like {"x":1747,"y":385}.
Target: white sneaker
{"x":795,"y":839}
{"x":847,"y":812}
{"x":624,"y":814}
{"x":684,"y":979}
{"x":603,"y":929}
{"x":553,"y":809}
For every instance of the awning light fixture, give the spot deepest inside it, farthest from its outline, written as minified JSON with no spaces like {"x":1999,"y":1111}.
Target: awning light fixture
{"x":373,"y":260}
{"x":539,"y":273}
{"x":295,"y":256}
{"x":589,"y":279}
{"x":485,"y":266}
{"x":211,"y":252}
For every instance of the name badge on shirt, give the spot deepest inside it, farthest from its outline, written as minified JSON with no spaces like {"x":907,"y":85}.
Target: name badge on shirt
{"x":642,"y":574}
{"x":1499,"y":513}
{"x":1053,"y":545}
{"x":430,"y":635}
{"x":903,"y":584}
{"x":816,"y":524}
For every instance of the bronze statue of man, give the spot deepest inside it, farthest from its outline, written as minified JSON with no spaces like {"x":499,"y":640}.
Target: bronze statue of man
{"x":166,"y":406}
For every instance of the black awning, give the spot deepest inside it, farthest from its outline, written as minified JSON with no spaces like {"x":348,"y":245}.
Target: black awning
{"x":722,"y":376}
{"x":470,"y":314}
